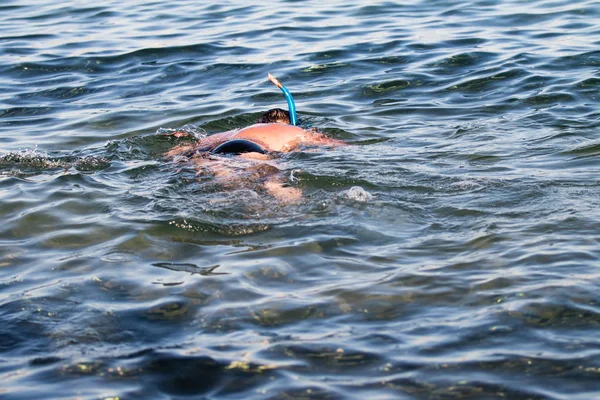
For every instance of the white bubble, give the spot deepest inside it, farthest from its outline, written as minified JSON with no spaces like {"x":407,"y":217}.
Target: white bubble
{"x":356,"y":193}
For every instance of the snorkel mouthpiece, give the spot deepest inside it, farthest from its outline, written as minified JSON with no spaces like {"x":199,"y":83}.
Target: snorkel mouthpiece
{"x":288,"y":98}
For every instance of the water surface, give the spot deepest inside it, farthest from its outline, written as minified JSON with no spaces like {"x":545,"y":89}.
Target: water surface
{"x":451,"y":251}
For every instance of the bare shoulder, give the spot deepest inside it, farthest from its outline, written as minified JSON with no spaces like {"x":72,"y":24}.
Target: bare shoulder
{"x":321,"y":138}
{"x":179,"y":150}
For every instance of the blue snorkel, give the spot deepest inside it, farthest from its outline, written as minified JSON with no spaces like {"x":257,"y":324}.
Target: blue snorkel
{"x":288,"y":98}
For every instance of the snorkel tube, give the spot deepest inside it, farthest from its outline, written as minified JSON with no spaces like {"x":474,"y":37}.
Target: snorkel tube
{"x":288,"y":98}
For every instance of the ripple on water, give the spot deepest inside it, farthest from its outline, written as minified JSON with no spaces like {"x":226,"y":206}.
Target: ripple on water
{"x":449,"y":252}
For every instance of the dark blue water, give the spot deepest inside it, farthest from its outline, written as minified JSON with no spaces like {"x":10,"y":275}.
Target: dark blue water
{"x":465,"y":268}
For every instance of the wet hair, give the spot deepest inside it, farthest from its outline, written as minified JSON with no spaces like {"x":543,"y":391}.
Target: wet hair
{"x":275,"y":115}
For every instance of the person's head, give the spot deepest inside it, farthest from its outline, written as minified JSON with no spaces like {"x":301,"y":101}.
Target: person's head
{"x":273,"y":116}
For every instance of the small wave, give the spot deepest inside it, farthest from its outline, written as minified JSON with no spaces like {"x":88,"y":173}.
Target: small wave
{"x":32,"y":161}
{"x":236,"y":229}
{"x":188,"y":129}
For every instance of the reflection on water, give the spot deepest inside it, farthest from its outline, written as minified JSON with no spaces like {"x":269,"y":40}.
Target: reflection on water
{"x":191,"y":268}
{"x":449,"y":252}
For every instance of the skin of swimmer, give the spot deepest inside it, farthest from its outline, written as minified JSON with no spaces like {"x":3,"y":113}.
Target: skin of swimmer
{"x":272,"y":137}
{"x":253,"y":168}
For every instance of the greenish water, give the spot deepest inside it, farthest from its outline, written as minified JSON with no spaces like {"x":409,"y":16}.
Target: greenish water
{"x":470,"y":272}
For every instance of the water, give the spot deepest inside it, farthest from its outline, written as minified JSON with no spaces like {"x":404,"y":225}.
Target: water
{"x":451,"y":251}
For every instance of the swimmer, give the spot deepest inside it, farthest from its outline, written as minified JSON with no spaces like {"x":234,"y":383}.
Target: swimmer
{"x":247,"y":155}
{"x":271,"y":133}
